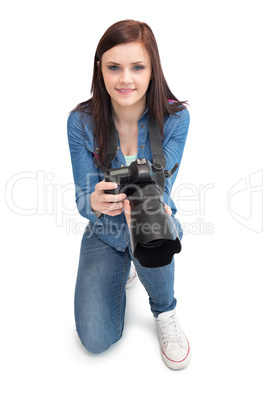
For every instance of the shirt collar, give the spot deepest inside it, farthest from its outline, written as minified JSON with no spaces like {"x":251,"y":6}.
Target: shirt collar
{"x":144,"y":113}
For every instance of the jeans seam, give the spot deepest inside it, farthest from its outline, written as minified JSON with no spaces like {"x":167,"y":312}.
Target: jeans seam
{"x":153,"y":303}
{"x":119,"y":316}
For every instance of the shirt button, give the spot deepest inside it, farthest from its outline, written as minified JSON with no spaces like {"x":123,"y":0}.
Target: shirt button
{"x":141,"y":146}
{"x":142,"y":125}
{"x":118,"y":147}
{"x":122,"y":165}
{"x":97,"y":149}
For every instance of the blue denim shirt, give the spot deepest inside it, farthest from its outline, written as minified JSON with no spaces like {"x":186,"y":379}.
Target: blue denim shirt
{"x":113,"y":229}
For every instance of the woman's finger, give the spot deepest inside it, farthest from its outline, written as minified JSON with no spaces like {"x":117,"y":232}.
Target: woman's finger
{"x":168,"y":209}
{"x":127,"y":211}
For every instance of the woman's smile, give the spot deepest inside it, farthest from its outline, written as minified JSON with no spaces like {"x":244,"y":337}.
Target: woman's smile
{"x":125,"y":91}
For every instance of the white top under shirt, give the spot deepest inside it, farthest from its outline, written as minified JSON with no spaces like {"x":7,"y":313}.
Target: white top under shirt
{"x":130,"y":158}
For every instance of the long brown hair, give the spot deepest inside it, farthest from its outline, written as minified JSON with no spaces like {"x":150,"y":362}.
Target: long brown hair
{"x":158,"y":93}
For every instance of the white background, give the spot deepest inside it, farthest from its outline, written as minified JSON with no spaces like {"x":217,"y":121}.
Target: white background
{"x":214,"y":54}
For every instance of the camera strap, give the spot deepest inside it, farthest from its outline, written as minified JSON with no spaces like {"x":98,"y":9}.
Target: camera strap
{"x":155,"y":141}
{"x":112,"y":147}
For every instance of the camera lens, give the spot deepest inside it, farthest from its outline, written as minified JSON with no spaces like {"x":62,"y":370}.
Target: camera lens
{"x":154,"y":243}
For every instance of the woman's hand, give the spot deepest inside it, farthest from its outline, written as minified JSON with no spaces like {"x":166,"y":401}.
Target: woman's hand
{"x":110,"y":204}
{"x":127,"y":211}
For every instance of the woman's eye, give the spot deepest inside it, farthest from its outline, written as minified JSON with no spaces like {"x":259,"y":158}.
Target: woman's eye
{"x":116,"y":68}
{"x":113,"y":68}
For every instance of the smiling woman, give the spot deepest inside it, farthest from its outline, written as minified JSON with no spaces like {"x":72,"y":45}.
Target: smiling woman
{"x":128,"y":84}
{"x":126,"y":80}
{"x":99,"y":106}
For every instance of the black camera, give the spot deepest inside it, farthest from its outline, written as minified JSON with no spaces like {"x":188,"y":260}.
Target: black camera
{"x":154,"y":238}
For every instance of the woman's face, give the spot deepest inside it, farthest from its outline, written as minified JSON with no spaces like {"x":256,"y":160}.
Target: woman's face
{"x":127,"y":72}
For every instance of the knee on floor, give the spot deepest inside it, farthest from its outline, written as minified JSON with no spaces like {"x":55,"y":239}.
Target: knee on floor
{"x":94,"y":343}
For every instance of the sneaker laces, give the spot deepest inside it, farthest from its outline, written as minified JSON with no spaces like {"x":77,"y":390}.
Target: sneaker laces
{"x":169,"y":329}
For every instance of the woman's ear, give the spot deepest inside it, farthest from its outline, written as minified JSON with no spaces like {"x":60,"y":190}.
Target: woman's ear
{"x":98,"y":63}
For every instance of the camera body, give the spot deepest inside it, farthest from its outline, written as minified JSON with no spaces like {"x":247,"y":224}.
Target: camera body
{"x":139,"y":174}
{"x":153,"y":235}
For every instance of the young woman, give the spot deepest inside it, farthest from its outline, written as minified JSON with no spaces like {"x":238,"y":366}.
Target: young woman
{"x":128,"y":82}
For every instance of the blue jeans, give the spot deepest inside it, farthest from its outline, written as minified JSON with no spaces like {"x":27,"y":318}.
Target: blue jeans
{"x":100,"y":295}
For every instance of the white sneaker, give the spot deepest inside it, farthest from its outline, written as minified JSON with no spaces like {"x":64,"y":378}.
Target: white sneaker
{"x":174,"y":344}
{"x":132,"y":277}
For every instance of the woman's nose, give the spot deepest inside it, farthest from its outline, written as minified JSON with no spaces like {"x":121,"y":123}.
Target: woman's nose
{"x":125,"y":76}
